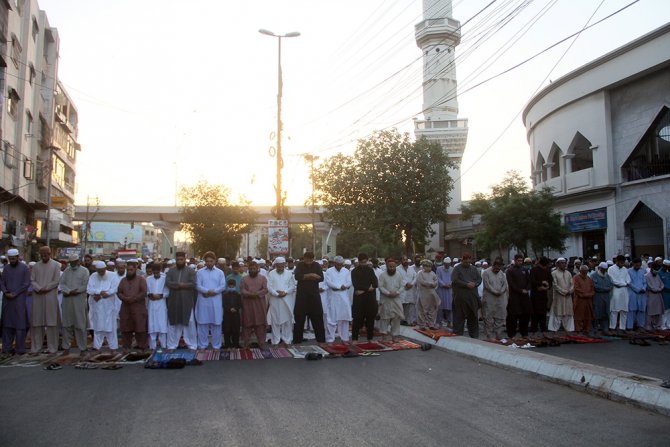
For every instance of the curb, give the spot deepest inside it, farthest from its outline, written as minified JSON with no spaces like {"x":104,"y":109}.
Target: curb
{"x":613,"y":384}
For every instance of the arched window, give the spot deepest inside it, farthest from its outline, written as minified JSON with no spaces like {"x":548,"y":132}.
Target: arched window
{"x":553,"y":166}
{"x":651,"y":156}
{"x":539,"y":173}
{"x":581,"y":153}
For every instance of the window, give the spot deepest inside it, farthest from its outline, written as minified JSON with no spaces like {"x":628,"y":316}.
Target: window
{"x":12,"y":102}
{"x":582,"y":155}
{"x":553,"y":165}
{"x":651,"y":156}
{"x":16,"y":50}
{"x":29,"y":122}
{"x":32,"y":74}
{"x":59,"y":171}
{"x":35,"y":29}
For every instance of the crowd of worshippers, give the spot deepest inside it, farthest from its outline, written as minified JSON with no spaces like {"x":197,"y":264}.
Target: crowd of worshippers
{"x":214,"y":302}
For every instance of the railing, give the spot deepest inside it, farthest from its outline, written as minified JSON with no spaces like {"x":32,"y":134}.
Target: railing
{"x":647,"y":170}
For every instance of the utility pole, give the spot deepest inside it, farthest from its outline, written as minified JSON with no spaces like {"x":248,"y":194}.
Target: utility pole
{"x":310,"y":158}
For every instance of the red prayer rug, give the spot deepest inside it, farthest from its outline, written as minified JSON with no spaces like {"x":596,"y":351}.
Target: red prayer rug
{"x":582,"y":339}
{"x":205,"y":355}
{"x":400,"y":345}
{"x":372,"y":346}
{"x":435,"y":334}
{"x":340,"y":348}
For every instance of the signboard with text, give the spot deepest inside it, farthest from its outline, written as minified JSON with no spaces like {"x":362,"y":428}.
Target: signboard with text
{"x":278,"y":237}
{"x":587,"y":220}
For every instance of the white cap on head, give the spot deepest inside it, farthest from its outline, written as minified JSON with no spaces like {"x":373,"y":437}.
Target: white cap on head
{"x":666,"y":262}
{"x":99,"y":264}
{"x":12,"y":252}
{"x":347,"y":262}
{"x":657,"y":258}
{"x":610,"y":262}
{"x":192,"y":266}
{"x":131,"y":261}
{"x":221,"y":260}
{"x":603,"y":265}
{"x":561,"y":260}
{"x":240,"y":260}
{"x":171,"y":262}
{"x":338,"y":260}
{"x":455,"y":259}
{"x":478,"y":263}
{"x":279,"y":260}
{"x":447,"y":260}
{"x":485,"y":263}
{"x":261,"y":261}
{"x":31,"y":263}
{"x":110,"y":263}
{"x":120,"y":261}
{"x":319,"y":261}
{"x":73,"y":257}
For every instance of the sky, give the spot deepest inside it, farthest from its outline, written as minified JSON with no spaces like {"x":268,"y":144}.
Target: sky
{"x":171,"y":92}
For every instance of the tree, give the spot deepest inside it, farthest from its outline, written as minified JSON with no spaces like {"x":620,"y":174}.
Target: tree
{"x":391,"y":186}
{"x":513,"y":214}
{"x":211,"y":221}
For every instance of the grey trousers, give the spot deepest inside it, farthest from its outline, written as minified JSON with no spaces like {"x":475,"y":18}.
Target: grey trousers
{"x":78,"y":334}
{"x":37,"y":338}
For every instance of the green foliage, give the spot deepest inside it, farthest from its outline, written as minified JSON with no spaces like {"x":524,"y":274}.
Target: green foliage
{"x":211,"y":221}
{"x":390,"y":186}
{"x":301,"y":238}
{"x":515,"y":215}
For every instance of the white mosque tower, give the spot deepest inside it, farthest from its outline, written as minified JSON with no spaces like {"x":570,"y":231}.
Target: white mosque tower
{"x":437,"y":36}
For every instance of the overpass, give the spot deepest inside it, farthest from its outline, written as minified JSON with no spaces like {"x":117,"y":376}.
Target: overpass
{"x":169,"y":218}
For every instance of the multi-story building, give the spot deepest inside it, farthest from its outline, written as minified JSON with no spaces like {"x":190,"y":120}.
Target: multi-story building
{"x":600,"y":139}
{"x":37,"y":152}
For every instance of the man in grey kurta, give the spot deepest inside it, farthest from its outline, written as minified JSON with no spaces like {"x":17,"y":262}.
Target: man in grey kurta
{"x":465,"y":280}
{"x":180,"y":303}
{"x":73,"y":284}
{"x":45,"y":313}
{"x":391,"y":285}
{"x":494,"y":301}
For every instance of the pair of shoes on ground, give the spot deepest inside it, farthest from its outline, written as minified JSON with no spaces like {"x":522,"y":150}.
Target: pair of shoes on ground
{"x":639,"y":342}
{"x":53,"y":367}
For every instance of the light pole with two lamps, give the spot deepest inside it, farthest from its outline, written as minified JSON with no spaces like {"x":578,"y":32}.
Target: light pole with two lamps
{"x":280,"y":212}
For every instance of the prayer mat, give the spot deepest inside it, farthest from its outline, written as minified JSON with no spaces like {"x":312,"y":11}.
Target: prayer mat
{"x":207,"y":354}
{"x":435,"y":334}
{"x":400,"y":345}
{"x":371,"y":346}
{"x":583,"y":339}
{"x":164,"y":356}
{"x":280,"y":353}
{"x":300,"y":351}
{"x":340,"y":348}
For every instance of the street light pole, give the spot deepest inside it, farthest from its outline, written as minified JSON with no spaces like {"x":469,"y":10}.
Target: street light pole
{"x":279,"y":211}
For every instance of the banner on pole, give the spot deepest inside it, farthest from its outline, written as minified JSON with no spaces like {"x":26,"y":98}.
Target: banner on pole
{"x":278,"y":237}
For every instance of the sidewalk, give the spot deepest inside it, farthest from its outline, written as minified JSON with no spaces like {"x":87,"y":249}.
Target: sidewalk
{"x":614,"y":384}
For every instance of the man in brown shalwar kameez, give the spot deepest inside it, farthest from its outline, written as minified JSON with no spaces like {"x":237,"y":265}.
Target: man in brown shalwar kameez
{"x":253,"y":289}
{"x":133,"y":316}
{"x":584,"y":291}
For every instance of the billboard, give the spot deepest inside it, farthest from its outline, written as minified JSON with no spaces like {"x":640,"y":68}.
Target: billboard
{"x":587,"y":220}
{"x":278,"y":237}
{"x":115,"y":232}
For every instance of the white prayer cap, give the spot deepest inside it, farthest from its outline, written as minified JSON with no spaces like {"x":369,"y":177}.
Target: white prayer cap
{"x":119,"y":261}
{"x":100,"y":264}
{"x":73,"y":257}
{"x":347,"y":262}
{"x":3,"y":257}
{"x":627,"y":255}
{"x":484,"y":264}
{"x":261,"y":261}
{"x":221,"y":260}
{"x":12,"y":252}
{"x":338,"y":260}
{"x":610,"y":262}
{"x":447,"y":260}
{"x":31,"y":263}
{"x":279,"y":260}
{"x":132,"y":261}
{"x":111,"y":263}
{"x":319,"y":261}
{"x":657,"y":258}
{"x":455,"y":259}
{"x":603,"y":265}
{"x":478,"y":263}
{"x":201,"y":263}
{"x":561,"y":260}
{"x":193,"y":266}
{"x":171,"y":261}
{"x":241,"y":260}
{"x":666,"y":262}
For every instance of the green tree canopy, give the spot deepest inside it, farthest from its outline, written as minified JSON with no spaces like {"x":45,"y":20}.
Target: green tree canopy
{"x":513,"y":214}
{"x":390,"y":185}
{"x":212,"y":221}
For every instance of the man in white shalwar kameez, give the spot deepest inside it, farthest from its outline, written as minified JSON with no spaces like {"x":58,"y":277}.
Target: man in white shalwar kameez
{"x":408,"y":295}
{"x":102,"y":287}
{"x":338,"y":283}
{"x":619,"y":301}
{"x":281,"y":293}
{"x":157,"y":292}
{"x":210,"y":282}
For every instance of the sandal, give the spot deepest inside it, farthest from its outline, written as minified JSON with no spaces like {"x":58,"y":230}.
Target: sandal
{"x":85,"y":366}
{"x":53,"y":367}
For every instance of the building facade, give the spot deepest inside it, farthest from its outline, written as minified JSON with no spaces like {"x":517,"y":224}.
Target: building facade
{"x":600,"y":139}
{"x":38,"y":131}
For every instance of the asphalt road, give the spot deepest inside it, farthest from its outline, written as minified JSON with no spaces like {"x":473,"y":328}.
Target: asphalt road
{"x":408,"y":398}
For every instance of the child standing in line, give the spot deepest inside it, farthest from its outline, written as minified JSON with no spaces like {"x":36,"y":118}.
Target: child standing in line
{"x":232,"y":304}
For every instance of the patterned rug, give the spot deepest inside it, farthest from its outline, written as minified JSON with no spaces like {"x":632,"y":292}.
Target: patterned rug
{"x":401,"y":345}
{"x":435,"y":334}
{"x":372,"y":346}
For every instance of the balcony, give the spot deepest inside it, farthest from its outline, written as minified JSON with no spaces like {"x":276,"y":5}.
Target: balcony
{"x":578,"y":180}
{"x":645,"y":171}
{"x":555,"y":184}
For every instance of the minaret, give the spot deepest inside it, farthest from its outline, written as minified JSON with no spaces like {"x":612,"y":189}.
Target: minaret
{"x":437,"y":36}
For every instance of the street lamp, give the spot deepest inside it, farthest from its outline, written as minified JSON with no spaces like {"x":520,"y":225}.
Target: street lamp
{"x":51,"y":149}
{"x":279,"y":211}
